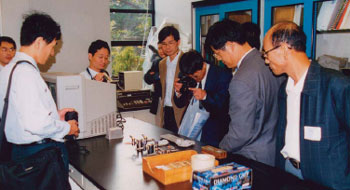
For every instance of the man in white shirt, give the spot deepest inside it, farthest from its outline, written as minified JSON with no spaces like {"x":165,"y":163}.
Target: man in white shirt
{"x":7,"y":50}
{"x":99,"y":58}
{"x":171,"y":115}
{"x":33,"y":122}
{"x":313,"y":140}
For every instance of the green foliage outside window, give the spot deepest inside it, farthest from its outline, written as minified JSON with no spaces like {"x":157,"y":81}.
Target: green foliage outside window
{"x":130,"y":26}
{"x":126,"y":58}
{"x":130,"y":4}
{"x":129,"y":29}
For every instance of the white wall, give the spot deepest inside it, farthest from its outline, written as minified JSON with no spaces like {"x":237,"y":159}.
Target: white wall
{"x":82,"y":21}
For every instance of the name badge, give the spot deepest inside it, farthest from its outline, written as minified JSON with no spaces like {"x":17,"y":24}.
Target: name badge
{"x":312,"y":133}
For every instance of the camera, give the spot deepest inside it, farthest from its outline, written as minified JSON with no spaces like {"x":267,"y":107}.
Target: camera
{"x":187,"y":82}
{"x":71,"y":115}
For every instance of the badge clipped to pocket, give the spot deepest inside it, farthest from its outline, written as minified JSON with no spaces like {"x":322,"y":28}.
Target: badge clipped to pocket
{"x":312,"y":133}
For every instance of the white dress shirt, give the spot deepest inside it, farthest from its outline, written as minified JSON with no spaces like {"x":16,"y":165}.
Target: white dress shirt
{"x":204,"y":80}
{"x":291,"y":148}
{"x":170,"y":76}
{"x":32,"y":113}
{"x":1,"y":67}
{"x":87,"y":75}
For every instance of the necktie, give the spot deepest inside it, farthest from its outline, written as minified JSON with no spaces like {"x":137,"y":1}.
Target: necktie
{"x":200,"y":103}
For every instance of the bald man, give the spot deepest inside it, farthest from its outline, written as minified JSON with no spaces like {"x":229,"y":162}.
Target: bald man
{"x":313,"y":131}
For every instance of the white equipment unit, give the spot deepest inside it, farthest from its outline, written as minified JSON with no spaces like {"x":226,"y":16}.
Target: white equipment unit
{"x":94,"y":101}
{"x":131,"y":80}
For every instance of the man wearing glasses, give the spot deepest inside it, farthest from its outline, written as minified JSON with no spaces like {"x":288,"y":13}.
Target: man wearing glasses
{"x":171,"y":115}
{"x":313,"y":132}
{"x":7,"y":50}
{"x":253,"y":94}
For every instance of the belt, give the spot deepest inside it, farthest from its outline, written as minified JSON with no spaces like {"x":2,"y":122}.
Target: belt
{"x":294,"y":162}
{"x":44,"y":141}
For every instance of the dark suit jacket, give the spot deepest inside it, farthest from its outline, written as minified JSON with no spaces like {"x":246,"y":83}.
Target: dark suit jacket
{"x":325,"y":103}
{"x":216,"y":103}
{"x":155,"y":80}
{"x":253,"y":110}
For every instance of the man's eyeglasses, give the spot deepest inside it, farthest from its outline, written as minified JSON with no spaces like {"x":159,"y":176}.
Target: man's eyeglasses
{"x":216,"y":56}
{"x":4,"y":50}
{"x":171,"y":43}
{"x":264,"y":53}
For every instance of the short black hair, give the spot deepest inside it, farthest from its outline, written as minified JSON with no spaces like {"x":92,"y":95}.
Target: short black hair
{"x":168,"y":31}
{"x":252,"y":34}
{"x":98,"y":44}
{"x":8,"y":40}
{"x":290,"y":33}
{"x":222,"y":32}
{"x":39,"y":25}
{"x":190,"y":62}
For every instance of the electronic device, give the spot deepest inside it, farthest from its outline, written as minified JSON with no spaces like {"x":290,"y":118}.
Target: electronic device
{"x":130,"y":80}
{"x":71,"y":115}
{"x":134,"y":100}
{"x":94,"y":101}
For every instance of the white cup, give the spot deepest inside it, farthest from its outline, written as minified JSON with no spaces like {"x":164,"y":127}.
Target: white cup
{"x":202,"y":162}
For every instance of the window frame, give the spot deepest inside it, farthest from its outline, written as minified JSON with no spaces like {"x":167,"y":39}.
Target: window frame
{"x":115,"y":43}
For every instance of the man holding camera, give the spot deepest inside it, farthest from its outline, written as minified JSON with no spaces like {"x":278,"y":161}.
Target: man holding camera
{"x":171,"y":115}
{"x":33,"y":122}
{"x":206,"y":118}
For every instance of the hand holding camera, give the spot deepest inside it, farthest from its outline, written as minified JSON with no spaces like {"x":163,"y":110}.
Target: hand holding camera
{"x":72,"y":118}
{"x":187,"y":82}
{"x":177,"y":85}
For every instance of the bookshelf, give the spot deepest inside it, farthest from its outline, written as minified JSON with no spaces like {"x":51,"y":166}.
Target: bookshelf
{"x":303,"y":12}
{"x":317,"y":18}
{"x":332,"y":28}
{"x":208,"y":12}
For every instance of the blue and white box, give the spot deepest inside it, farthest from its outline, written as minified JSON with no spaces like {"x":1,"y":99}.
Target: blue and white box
{"x":227,"y":176}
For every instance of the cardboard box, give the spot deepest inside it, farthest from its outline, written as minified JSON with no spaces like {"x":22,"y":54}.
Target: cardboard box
{"x":218,"y":153}
{"x":169,"y":168}
{"x":227,"y":176}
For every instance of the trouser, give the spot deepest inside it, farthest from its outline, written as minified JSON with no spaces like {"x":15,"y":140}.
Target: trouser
{"x":169,"y":119}
{"x":21,"y":151}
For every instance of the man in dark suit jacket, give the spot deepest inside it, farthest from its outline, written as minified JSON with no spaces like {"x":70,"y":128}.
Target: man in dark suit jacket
{"x":213,"y":98}
{"x":313,"y":133}
{"x":253,"y":94}
{"x":152,"y":77}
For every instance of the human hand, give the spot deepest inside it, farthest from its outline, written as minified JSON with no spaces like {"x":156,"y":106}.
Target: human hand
{"x":63,"y":112}
{"x":198,"y":93}
{"x":74,"y":129}
{"x":99,"y":77}
{"x":177,"y":85}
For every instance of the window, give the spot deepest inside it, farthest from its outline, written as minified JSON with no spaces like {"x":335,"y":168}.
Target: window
{"x":130,"y":23}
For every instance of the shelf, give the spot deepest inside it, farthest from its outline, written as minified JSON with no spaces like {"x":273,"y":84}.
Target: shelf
{"x":333,"y":31}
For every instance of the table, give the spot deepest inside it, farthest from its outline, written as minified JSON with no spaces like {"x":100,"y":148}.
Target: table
{"x":114,"y":164}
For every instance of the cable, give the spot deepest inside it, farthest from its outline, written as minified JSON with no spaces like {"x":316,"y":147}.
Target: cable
{"x":120,"y":120}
